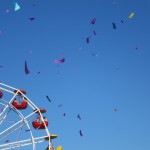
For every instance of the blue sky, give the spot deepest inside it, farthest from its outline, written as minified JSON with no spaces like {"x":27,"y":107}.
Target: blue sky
{"x":92,"y":86}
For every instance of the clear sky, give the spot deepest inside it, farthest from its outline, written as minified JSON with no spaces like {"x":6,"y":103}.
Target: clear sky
{"x":110,"y":72}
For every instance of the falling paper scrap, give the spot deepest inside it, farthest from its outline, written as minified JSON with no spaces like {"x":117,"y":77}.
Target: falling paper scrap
{"x":131,"y":15}
{"x":94,"y":32}
{"x":7,"y":10}
{"x":17,"y":7}
{"x":64,"y":114}
{"x":93,"y":21}
{"x":26,"y":68}
{"x":116,"y":109}
{"x":31,"y":18}
{"x":114,"y":25}
{"x":48,"y":98}
{"x":59,"y":148}
{"x":58,"y":61}
{"x":38,"y":72}
{"x":122,"y":21}
{"x":80,"y":132}
{"x":87,"y":40}
{"x":78,"y":116}
{"x":7,"y":141}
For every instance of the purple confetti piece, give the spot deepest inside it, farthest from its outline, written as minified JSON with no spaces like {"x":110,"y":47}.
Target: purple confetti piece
{"x":114,"y":25}
{"x":64,"y":114}
{"x":78,"y":116}
{"x":93,"y":21}
{"x":88,"y":40}
{"x":26,"y":68}
{"x":7,"y":10}
{"x":116,"y":109}
{"x":31,"y":18}
{"x":59,"y":60}
{"x":122,"y":21}
{"x":94,"y":32}
{"x":48,"y":98}
{"x":38,"y":72}
{"x":60,"y":105}
{"x":7,"y":141}
{"x":80,"y":132}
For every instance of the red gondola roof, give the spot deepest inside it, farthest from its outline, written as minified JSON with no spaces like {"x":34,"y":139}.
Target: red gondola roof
{"x":42,"y":110}
{"x":1,"y":94}
{"x":23,"y":91}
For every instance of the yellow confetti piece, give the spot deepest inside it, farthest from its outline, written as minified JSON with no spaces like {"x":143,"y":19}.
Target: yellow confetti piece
{"x":59,"y":148}
{"x":131,"y":15}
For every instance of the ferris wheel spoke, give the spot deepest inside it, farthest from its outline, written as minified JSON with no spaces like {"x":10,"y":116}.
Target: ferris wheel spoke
{"x":3,"y":104}
{"x":10,"y":108}
{"x":3,"y":109}
{"x":9,"y":120}
{"x":23,"y":143}
{"x":10,"y":132}
{"x":11,"y":127}
{"x":20,"y":132}
{"x":5,"y":115}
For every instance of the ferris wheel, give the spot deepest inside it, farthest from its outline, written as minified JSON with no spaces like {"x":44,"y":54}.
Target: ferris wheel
{"x":23,"y":125}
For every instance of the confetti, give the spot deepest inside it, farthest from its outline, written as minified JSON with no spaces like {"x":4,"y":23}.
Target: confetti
{"x":93,"y":21}
{"x":26,"y":68}
{"x":48,"y":98}
{"x":60,"y":60}
{"x":88,"y":40}
{"x":80,"y":132}
{"x":17,"y":7}
{"x":31,"y":18}
{"x":94,"y":32}
{"x":78,"y":116}
{"x":114,"y":25}
{"x":131,"y":15}
{"x":7,"y":10}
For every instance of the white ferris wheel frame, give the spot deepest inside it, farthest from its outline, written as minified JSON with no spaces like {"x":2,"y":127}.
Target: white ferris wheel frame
{"x":23,"y":119}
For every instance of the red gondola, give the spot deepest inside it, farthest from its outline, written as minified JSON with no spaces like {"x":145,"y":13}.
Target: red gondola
{"x":20,"y":106}
{"x":1,"y":94}
{"x":37,"y":124}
